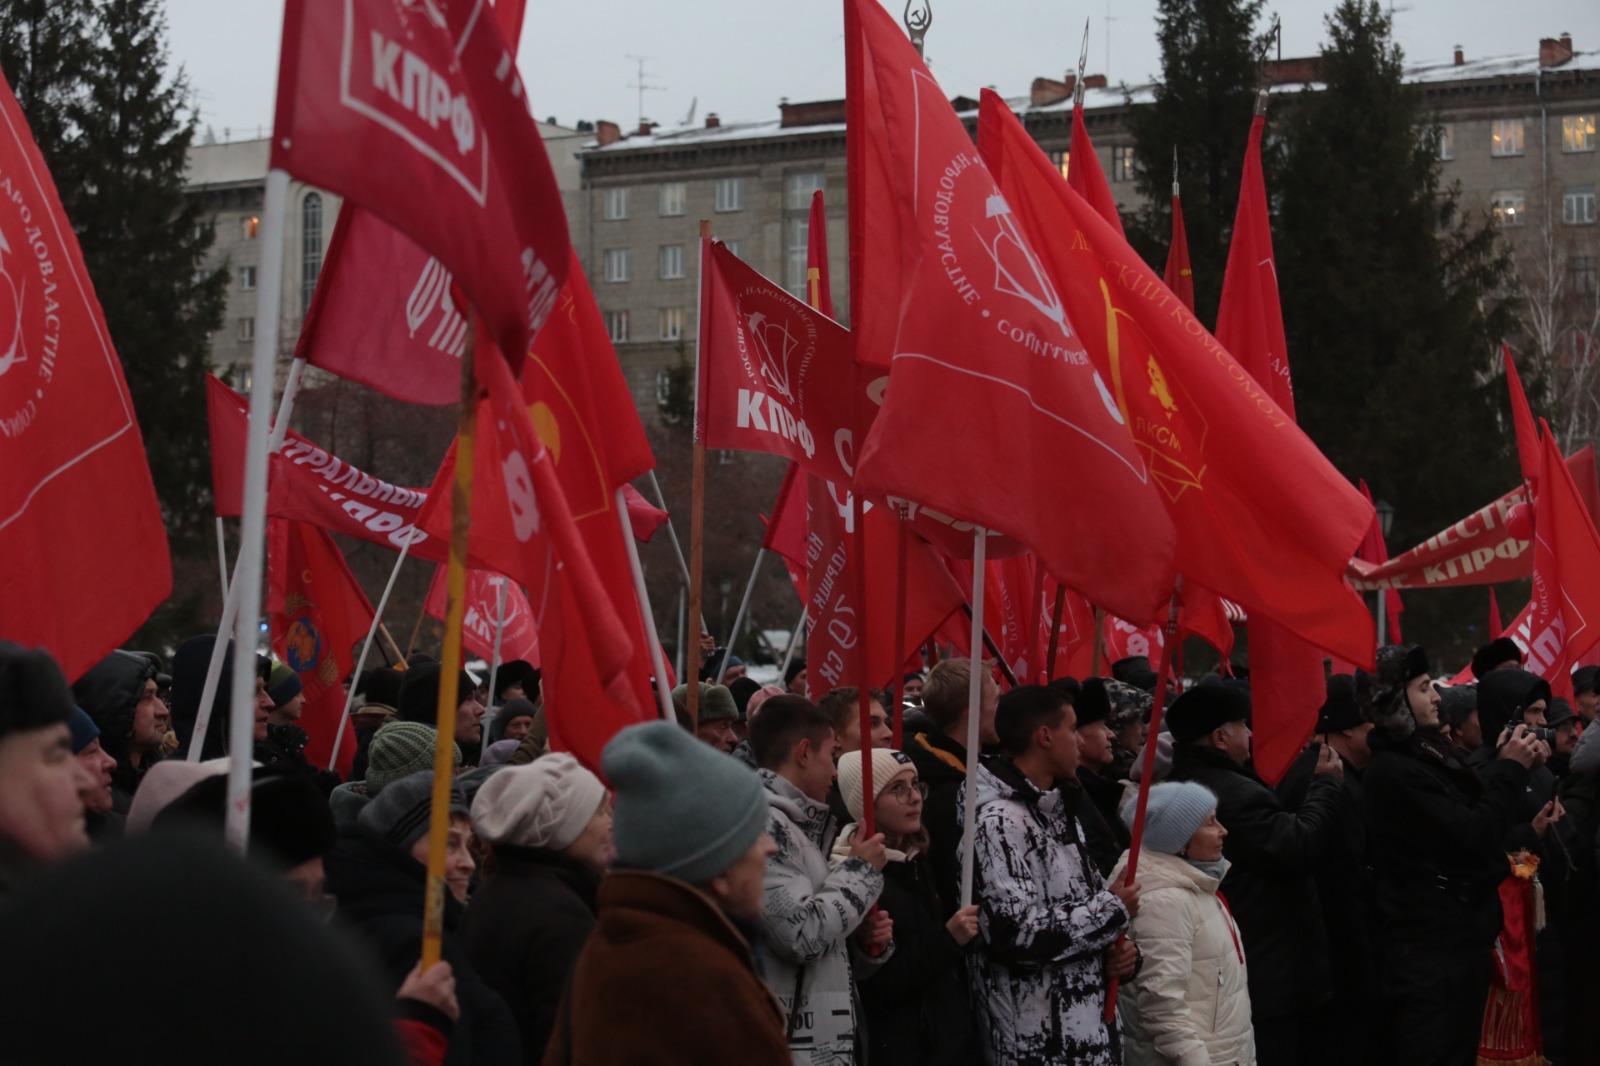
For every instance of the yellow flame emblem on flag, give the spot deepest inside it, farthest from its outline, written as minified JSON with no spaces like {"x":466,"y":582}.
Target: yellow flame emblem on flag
{"x":547,"y":427}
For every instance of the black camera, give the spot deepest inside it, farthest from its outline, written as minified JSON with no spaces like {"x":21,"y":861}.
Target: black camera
{"x":1544,"y":733}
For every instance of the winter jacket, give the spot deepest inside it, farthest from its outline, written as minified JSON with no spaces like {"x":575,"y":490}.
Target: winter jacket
{"x":1273,"y":852}
{"x":666,"y":979}
{"x":942,"y":766}
{"x":109,"y":693}
{"x":1045,"y":921}
{"x":1189,"y":1004}
{"x":524,"y":931}
{"x":379,"y":891}
{"x":809,"y":914}
{"x":1104,"y":833}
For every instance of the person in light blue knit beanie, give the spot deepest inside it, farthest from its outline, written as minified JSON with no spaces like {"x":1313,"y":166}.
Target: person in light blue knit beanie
{"x":1176,"y":811}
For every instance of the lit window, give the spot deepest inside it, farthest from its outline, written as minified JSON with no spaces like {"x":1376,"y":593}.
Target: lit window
{"x":615,"y":204}
{"x":310,"y":247}
{"x":617,"y":261}
{"x":798,"y":187}
{"x":617,"y":326}
{"x":730,"y":194}
{"x":1447,"y":141}
{"x":1577,"y":133}
{"x":247,"y":329}
{"x":672,"y":199}
{"x":672,"y":260}
{"x":1506,"y":136}
{"x":1577,"y":205}
{"x":797,"y":232}
{"x":1583,"y":277}
{"x":1509,"y":207}
{"x":1062,"y":160}
{"x":671,"y":323}
{"x":1122,"y":163}
{"x":250,"y":227}
{"x":247,"y":278}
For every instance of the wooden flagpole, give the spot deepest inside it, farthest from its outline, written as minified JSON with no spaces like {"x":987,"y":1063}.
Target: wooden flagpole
{"x":697,"y":500}
{"x":863,"y":677}
{"x":902,"y":549}
{"x":974,"y":714}
{"x":1055,"y":634}
{"x":1099,"y":641}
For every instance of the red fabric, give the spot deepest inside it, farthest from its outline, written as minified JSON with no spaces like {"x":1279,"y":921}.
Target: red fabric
{"x":1007,"y":585}
{"x":415,"y":112}
{"x":1374,"y":550}
{"x":317,"y":616}
{"x":424,"y":1045}
{"x":482,"y":617}
{"x":1496,"y":627}
{"x":956,"y":302}
{"x":1521,"y":420}
{"x":644,"y":516}
{"x":1085,"y":177}
{"x":1075,"y":641}
{"x":1264,"y":519}
{"x":1511,"y":1031}
{"x":786,"y":528}
{"x":83,"y":549}
{"x":817,"y":255}
{"x":1566,"y":575}
{"x":1179,"y":273}
{"x":775,"y":375}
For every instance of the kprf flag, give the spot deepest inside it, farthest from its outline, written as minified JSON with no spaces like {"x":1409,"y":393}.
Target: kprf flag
{"x":1263,"y":518}
{"x":482,"y":617}
{"x":1085,"y":176}
{"x":83,"y":549}
{"x":1496,"y":627}
{"x":316,"y":614}
{"x":994,"y":413}
{"x":415,"y":112}
{"x":1565,"y":615}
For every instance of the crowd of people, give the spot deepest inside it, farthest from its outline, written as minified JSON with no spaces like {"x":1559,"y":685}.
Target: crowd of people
{"x":1417,"y":888}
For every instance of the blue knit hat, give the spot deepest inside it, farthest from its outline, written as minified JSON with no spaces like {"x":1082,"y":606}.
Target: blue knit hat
{"x":1177,"y":809}
{"x":682,"y":808}
{"x":84,"y":731}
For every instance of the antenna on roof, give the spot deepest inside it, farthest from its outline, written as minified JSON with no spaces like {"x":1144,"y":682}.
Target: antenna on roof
{"x":688,"y":120}
{"x":643,"y":84}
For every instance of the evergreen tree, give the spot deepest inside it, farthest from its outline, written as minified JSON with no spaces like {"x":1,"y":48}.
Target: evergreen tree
{"x":44,"y":47}
{"x":1393,"y":299}
{"x":1203,"y":104}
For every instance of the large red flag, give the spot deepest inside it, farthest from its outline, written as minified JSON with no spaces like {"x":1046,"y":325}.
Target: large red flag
{"x":1566,"y":574}
{"x":1522,"y":420}
{"x":83,"y":550}
{"x":994,"y":413}
{"x":482,"y":617}
{"x":317,"y":615}
{"x":1179,"y":273}
{"x":416,"y":113}
{"x":1085,"y":176}
{"x":1265,"y":519}
{"x":1374,"y":550}
{"x":785,"y":534}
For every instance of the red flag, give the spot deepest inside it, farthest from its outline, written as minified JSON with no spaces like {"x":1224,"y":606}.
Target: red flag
{"x":1495,"y":626}
{"x":644,"y":516}
{"x":1075,"y":636}
{"x":1179,"y":273}
{"x":1265,"y":519}
{"x":482,"y":617}
{"x":786,"y":529}
{"x":83,"y":550}
{"x":1123,"y":639}
{"x":817,"y":257}
{"x":1566,"y":575}
{"x":1086,"y":178}
{"x":416,"y":113}
{"x":1029,"y":440}
{"x":1521,"y":420}
{"x":316,"y":614}
{"x":1374,"y":550}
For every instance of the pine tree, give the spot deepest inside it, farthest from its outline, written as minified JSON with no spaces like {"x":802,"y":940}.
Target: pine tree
{"x":1393,"y":299}
{"x":44,"y":47}
{"x":1203,"y":104}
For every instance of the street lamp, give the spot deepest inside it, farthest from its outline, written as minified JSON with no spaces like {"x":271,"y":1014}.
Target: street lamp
{"x":1385,"y":517}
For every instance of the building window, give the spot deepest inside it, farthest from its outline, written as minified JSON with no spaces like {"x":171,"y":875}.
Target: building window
{"x":732,"y":246}
{"x":797,"y":234}
{"x":618,"y":260}
{"x":247,"y":278}
{"x":1509,"y":207}
{"x":1583,"y":274}
{"x":249,"y":227}
{"x":1122,"y":162}
{"x":730,"y":194}
{"x":310,"y":247}
{"x":1447,"y":141}
{"x":672,"y":199}
{"x":1577,"y":205}
{"x":672,"y":323}
{"x":1062,"y":160}
{"x":1506,"y":136}
{"x":247,"y":329}
{"x":1577,"y":133}
{"x":672,"y":260}
{"x":798,"y":187}
{"x":614,"y":205}
{"x":617,"y":326}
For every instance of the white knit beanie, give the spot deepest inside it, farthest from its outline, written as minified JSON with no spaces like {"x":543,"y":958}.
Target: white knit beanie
{"x":886,"y":763}
{"x":544,"y":804}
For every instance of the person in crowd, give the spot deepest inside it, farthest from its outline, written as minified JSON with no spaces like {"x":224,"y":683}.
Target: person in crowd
{"x":794,"y":677}
{"x":815,"y":918}
{"x":398,"y":750}
{"x":668,"y":974}
{"x":713,"y":665}
{"x":285,"y":744}
{"x":1129,"y":719}
{"x":419,"y":702}
{"x":1563,"y":723}
{"x":917,"y":1004}
{"x":741,"y":750}
{"x":1509,"y":696}
{"x":1499,"y":654}
{"x":189,"y":666}
{"x":716,"y":715}
{"x":512,"y":720}
{"x":939,"y":753}
{"x":119,"y":693}
{"x":1273,"y":850}
{"x":742,"y":688}
{"x":548,"y":828}
{"x":1190,"y":1003}
{"x":1135,"y":670}
{"x":911,"y":687}
{"x":288,"y":695}
{"x":101,"y":819}
{"x":1586,"y":693}
{"x":1050,"y":928}
{"x":41,"y":784}
{"x":1436,"y":837}
{"x":516,"y":679}
{"x":1458,"y":720}
{"x":1098,"y":795}
{"x":377,"y":875}
{"x":843,"y":708}
{"x":376,"y":704}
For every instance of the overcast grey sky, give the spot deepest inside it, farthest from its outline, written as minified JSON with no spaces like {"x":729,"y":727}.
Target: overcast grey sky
{"x":739,"y":57}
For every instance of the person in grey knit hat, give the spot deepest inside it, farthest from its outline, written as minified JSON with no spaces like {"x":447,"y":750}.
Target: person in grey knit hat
{"x":717,"y":714}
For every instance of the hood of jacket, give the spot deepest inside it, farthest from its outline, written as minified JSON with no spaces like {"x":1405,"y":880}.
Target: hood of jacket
{"x":1160,"y":870}
{"x":373,"y":880}
{"x":812,"y":817}
{"x":109,"y":693}
{"x":999,"y":779}
{"x":1502,"y":694}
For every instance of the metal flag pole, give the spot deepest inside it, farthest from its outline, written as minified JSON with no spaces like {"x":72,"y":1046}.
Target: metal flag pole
{"x":794,"y":642}
{"x":974,"y":714}
{"x":918,"y":17}
{"x":222,"y":558}
{"x":672,"y":532}
{"x":366,"y":646}
{"x":738,"y":616}
{"x":493,"y":710}
{"x":658,"y":662}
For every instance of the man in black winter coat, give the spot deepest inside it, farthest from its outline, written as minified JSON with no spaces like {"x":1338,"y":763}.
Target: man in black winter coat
{"x":1274,"y":851}
{"x":1436,"y":839}
{"x":119,"y":693}
{"x":1105,"y":834}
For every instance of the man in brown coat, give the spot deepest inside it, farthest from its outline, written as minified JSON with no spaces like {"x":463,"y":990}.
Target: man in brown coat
{"x":690,"y":835}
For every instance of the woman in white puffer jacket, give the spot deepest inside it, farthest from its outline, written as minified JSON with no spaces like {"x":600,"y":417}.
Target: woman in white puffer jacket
{"x":1189,"y":1004}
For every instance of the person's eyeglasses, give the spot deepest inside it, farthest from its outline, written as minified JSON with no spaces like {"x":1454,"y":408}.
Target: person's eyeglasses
{"x":906,"y":789}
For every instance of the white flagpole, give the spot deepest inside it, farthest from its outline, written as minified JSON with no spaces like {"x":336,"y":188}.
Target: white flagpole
{"x":658,"y":663}
{"x":222,"y":558}
{"x":253,"y":524}
{"x":366,"y":646}
{"x":738,"y":617}
{"x":494,"y":659}
{"x":672,"y":533}
{"x":794,"y":641}
{"x":974,"y":702}
{"x":680,"y":657}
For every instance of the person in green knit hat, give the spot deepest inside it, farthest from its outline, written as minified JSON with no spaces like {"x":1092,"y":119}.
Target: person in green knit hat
{"x":716,"y":717}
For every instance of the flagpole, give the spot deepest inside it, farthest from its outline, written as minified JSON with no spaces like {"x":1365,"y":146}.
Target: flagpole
{"x":416,"y":630}
{"x":366,"y":646}
{"x":680,"y":661}
{"x":794,"y":641}
{"x":658,"y":662}
{"x":974,"y":714}
{"x":858,"y":515}
{"x":902,"y":550}
{"x":1035,"y":605}
{"x":222,"y":558}
{"x":1055,"y":633}
{"x":738,"y":617}
{"x":253,"y":521}
{"x":499,"y":639}
{"x":1099,"y":640}
{"x":450,"y":667}
{"x":697,"y":498}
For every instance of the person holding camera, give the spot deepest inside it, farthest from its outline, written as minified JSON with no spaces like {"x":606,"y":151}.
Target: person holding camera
{"x":1436,"y":837}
